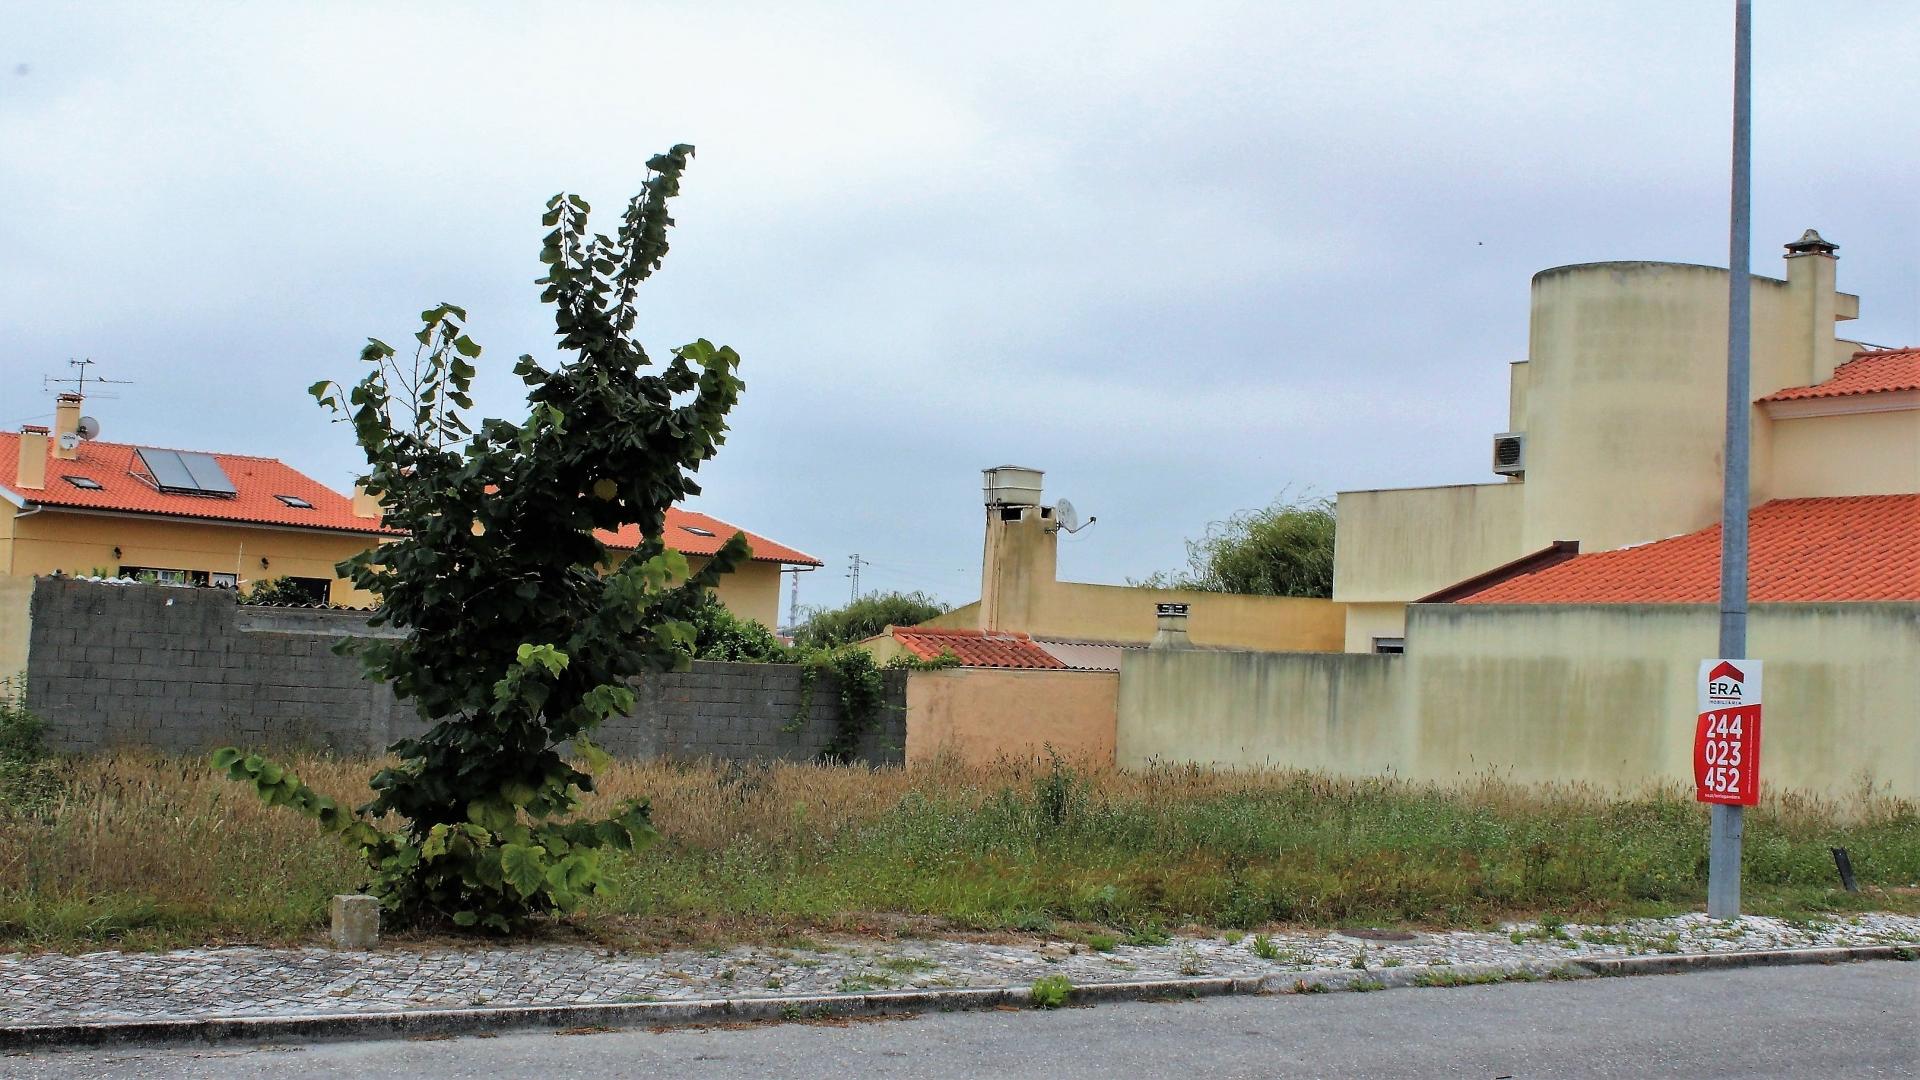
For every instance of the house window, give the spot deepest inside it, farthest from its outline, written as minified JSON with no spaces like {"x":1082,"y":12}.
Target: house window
{"x":295,"y":501}
{"x":155,"y":574}
{"x":1393,"y":646}
{"x":83,"y":483}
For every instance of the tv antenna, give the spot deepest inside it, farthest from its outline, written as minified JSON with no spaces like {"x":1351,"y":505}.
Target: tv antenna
{"x":79,"y":380}
{"x":1067,"y":519}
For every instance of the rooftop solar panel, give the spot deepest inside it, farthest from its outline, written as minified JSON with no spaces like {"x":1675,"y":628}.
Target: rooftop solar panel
{"x":207,"y":474}
{"x":186,"y":473}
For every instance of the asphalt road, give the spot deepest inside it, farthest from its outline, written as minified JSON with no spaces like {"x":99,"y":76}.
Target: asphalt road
{"x":1855,"y":1020}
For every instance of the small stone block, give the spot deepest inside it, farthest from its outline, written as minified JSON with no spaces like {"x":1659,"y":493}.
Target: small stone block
{"x":356,"y":922}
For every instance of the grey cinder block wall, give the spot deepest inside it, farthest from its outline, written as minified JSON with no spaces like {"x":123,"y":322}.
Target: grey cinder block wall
{"x":187,"y":670}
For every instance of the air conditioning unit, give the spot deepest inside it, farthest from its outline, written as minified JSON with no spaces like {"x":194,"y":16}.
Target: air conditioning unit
{"x":1510,"y":453}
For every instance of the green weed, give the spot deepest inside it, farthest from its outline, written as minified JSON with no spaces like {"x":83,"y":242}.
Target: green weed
{"x":1050,"y":991}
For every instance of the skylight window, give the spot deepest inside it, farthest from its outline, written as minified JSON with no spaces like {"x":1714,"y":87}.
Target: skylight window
{"x":295,"y":501}
{"x":696,"y":530}
{"x":85,"y":483}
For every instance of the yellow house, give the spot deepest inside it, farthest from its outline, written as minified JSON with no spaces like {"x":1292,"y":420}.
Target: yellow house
{"x":73,"y":504}
{"x":1022,"y":597}
{"x":1615,"y":421}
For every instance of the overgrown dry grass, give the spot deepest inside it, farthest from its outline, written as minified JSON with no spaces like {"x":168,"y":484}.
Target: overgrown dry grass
{"x":147,"y":851}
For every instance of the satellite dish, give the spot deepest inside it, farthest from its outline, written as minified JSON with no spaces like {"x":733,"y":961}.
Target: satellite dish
{"x":1067,"y":518}
{"x":89,"y":428}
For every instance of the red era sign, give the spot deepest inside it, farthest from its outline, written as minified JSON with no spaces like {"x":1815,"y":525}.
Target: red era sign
{"x":1726,"y":737}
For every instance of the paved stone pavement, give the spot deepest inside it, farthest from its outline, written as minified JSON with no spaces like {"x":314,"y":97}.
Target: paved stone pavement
{"x":1847,"y":1022}
{"x":241,"y":982}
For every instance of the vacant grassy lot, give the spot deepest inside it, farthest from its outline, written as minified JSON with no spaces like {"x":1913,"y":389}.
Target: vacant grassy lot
{"x":145,"y":851}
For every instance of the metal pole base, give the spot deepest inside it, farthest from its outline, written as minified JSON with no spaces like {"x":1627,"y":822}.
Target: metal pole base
{"x":1725,"y":832}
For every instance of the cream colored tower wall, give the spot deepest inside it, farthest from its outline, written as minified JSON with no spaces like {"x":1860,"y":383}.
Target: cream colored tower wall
{"x":1875,"y":453}
{"x":1625,"y":395}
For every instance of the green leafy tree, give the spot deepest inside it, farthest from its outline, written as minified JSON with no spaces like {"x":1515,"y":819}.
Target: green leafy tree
{"x":1285,"y":549}
{"x":522,"y":630}
{"x":719,"y":634}
{"x":865,"y":617}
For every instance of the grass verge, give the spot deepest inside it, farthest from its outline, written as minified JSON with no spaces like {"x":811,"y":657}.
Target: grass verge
{"x":144,"y":851}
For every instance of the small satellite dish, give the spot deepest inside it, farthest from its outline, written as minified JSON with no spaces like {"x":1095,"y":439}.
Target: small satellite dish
{"x":89,"y":428}
{"x":1066,"y":518}
{"x":68,"y":440}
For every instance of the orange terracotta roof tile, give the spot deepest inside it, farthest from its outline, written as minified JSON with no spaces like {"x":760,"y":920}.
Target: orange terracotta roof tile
{"x":1858,"y":548}
{"x":692,"y":533}
{"x":124,"y":488}
{"x":976,"y":648}
{"x":1880,"y":371}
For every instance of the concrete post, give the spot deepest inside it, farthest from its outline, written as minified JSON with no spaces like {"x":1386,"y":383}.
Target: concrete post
{"x":356,"y":922}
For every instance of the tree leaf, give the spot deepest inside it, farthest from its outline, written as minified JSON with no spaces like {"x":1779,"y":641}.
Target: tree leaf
{"x":524,"y":867}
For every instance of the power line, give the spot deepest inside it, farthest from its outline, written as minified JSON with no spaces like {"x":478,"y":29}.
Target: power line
{"x":854,"y":574}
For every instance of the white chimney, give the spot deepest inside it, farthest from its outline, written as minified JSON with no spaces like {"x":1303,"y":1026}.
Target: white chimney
{"x":1170,"y":631}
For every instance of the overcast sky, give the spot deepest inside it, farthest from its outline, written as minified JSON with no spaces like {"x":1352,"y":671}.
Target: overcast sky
{"x":1181,"y":256}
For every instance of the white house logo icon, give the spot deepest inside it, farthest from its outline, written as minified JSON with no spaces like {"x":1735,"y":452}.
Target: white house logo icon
{"x":1726,"y":685}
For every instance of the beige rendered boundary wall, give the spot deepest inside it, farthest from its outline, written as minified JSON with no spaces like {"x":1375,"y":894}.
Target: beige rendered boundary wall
{"x":16,"y":624}
{"x":1596,"y":694}
{"x":981,"y":715}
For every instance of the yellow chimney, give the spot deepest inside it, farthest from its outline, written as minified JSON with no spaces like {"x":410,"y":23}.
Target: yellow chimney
{"x":365,"y":505}
{"x":66,"y":427}
{"x":33,"y":457}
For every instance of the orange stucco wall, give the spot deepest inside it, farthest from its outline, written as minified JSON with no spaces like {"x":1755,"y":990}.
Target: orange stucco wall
{"x":981,"y":715}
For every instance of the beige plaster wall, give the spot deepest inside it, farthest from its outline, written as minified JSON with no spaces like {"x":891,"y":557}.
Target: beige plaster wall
{"x":1600,"y":694}
{"x":1368,"y":621}
{"x":16,"y":603}
{"x":981,"y":715}
{"x":1402,"y":544}
{"x":1125,"y":613}
{"x":1876,"y":453}
{"x":1338,"y":712}
{"x":73,"y":543}
{"x":751,"y":591}
{"x":1019,"y":592}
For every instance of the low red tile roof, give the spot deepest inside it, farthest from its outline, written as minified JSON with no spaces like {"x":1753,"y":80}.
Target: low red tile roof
{"x":976,"y":648}
{"x":682,"y":537}
{"x":1880,"y":371}
{"x":257,"y":480}
{"x":1860,"y":548}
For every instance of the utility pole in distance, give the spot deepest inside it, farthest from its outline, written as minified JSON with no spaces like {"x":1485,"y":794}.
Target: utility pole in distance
{"x":854,"y":574}
{"x":1726,"y":829}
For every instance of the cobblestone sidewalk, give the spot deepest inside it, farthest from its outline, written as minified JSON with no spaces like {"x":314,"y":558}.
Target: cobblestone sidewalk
{"x":250,"y":982}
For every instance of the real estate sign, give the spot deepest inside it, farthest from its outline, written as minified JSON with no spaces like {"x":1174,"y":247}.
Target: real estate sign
{"x":1726,"y":737}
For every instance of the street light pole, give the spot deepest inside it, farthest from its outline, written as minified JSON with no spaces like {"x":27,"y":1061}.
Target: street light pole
{"x":1726,"y":827}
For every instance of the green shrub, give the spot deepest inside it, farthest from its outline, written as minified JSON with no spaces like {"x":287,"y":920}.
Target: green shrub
{"x":826,"y":628}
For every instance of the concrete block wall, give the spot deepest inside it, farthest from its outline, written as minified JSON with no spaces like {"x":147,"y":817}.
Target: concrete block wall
{"x":188,"y":670}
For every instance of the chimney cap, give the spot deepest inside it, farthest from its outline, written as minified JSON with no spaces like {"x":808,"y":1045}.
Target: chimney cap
{"x":1811,"y":243}
{"x":1171,"y":609}
{"x":33,"y":429}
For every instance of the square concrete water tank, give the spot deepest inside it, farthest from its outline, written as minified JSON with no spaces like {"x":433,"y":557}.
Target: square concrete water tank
{"x":1012,"y":485}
